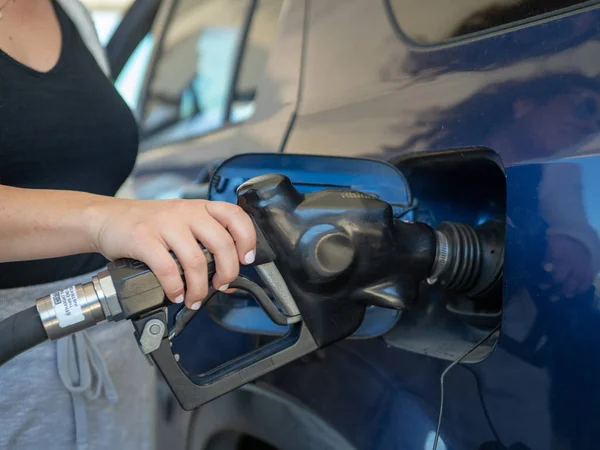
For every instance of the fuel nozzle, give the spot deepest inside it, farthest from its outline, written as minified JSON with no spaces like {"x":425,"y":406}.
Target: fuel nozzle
{"x":342,"y":250}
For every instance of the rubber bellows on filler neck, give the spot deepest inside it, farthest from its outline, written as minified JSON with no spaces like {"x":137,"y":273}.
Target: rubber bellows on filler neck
{"x":468,"y":260}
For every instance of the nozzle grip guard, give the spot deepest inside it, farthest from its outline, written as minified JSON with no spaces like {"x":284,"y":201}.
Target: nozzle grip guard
{"x":194,"y":390}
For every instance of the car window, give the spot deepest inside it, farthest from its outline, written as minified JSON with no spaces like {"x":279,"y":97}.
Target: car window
{"x":130,"y":80}
{"x":190,"y":90}
{"x":106,"y":16}
{"x":434,"y":21}
{"x":261,"y":36}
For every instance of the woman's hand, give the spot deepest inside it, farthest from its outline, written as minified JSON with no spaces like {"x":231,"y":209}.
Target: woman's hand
{"x":147,"y":230}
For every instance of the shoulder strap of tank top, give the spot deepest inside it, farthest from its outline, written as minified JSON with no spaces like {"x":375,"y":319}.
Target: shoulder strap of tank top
{"x":85,"y":25}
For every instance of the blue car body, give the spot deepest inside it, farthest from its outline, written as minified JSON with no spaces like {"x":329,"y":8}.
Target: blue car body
{"x":345,"y":80}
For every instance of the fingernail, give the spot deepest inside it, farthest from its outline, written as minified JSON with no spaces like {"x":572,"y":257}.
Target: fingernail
{"x":179,"y":299}
{"x":548,"y":267}
{"x":249,"y":258}
{"x":196,"y":306}
{"x":224,"y":287}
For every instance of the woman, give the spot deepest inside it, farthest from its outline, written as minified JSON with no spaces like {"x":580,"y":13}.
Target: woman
{"x":68,"y":144}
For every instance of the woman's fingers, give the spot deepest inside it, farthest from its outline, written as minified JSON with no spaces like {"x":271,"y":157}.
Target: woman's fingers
{"x":220,"y":243}
{"x":162,"y":264}
{"x":189,"y":254}
{"x":239,"y":225}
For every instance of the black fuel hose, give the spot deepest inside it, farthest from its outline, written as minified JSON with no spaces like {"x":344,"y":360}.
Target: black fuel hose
{"x":19,"y":333}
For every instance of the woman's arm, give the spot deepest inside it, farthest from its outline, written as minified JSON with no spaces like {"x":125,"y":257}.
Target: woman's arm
{"x":37,"y":224}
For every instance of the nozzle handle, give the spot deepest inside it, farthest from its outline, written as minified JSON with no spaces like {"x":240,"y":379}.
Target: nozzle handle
{"x":194,"y":390}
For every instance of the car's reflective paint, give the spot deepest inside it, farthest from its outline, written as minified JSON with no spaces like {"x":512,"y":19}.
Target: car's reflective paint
{"x":531,"y":94}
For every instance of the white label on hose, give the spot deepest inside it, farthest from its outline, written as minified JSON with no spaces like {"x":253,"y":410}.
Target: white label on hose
{"x":66,"y":307}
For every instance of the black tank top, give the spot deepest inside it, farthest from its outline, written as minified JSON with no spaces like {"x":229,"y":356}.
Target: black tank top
{"x":65,"y":129}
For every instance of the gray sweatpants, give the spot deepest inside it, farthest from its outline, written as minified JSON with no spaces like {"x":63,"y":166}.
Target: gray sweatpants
{"x":94,"y":390}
